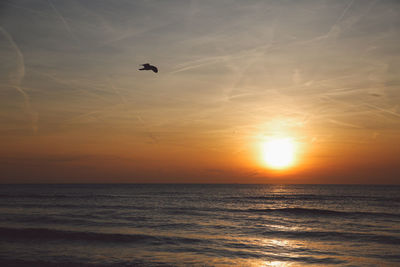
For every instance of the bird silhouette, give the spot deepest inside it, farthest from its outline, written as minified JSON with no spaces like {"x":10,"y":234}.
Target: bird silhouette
{"x":147,"y":66}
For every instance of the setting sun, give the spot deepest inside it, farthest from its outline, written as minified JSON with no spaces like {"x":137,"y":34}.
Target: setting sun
{"x":278,"y":153}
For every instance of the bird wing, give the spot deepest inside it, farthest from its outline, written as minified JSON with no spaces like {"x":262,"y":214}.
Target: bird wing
{"x":146,"y":65}
{"x":154,"y":68}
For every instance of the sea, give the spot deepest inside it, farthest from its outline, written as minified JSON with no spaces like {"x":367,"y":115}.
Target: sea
{"x":199,"y":225}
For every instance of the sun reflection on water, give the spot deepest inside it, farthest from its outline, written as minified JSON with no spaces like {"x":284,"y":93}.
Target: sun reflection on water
{"x":275,"y":263}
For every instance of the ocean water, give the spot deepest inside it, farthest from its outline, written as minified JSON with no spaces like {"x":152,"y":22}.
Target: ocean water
{"x":199,"y":225}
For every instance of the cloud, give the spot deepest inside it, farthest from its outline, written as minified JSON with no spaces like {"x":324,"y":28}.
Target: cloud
{"x":56,"y":158}
{"x":17,"y":78}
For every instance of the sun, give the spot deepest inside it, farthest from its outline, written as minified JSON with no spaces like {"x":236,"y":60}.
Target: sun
{"x":278,"y":153}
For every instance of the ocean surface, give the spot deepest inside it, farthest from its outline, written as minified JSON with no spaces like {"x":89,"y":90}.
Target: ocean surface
{"x":199,"y":225}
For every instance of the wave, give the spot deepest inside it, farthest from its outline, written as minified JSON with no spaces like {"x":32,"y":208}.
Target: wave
{"x":271,"y":197}
{"x":67,"y":196}
{"x":317,"y":197}
{"x":319,"y":212}
{"x":78,"y":205}
{"x":335,"y":236}
{"x":62,"y":262}
{"x":38,"y":234}
{"x":121,"y":211}
{"x":44,"y":234}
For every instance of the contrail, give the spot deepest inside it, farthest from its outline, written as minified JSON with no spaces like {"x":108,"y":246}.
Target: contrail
{"x":116,"y":91}
{"x":19,"y":76}
{"x":334,"y":29}
{"x":388,"y":111}
{"x":138,"y":117}
{"x":341,"y":123}
{"x":131,"y":34}
{"x":28,"y":9}
{"x":61,"y":17}
{"x":344,"y":12}
{"x":198,"y":63}
{"x":220,"y":58}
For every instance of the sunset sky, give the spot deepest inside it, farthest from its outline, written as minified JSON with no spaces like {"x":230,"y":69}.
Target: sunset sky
{"x":233,"y":75}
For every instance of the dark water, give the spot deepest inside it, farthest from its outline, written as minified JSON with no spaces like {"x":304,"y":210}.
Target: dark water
{"x":199,"y":225}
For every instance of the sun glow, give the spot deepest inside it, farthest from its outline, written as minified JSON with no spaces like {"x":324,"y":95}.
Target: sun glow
{"x":278,"y":153}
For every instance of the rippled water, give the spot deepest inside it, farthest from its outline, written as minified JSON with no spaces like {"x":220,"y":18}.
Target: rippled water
{"x":205,"y":225}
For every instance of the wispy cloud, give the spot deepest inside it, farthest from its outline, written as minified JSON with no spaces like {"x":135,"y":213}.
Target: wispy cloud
{"x":64,"y":22}
{"x":228,"y":71}
{"x":17,"y":79}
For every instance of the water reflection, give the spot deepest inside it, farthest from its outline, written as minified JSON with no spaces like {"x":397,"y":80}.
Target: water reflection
{"x":211,"y":225}
{"x":276,"y":264}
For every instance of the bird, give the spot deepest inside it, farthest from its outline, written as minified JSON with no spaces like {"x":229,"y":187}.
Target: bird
{"x":147,"y":66}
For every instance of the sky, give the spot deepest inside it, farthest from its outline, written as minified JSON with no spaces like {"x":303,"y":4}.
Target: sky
{"x":74,"y":108}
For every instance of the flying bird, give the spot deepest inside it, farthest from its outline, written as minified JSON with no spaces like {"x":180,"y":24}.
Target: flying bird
{"x":147,"y":66}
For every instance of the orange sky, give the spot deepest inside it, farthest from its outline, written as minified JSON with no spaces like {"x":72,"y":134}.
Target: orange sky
{"x":74,"y":107}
